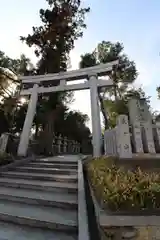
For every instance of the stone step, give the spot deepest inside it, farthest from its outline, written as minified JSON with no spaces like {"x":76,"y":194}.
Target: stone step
{"x":45,"y":170}
{"x":60,"y":200}
{"x":39,"y":176}
{"x":58,"y":160}
{"x":10,"y":231}
{"x":39,"y":185}
{"x":52,"y":165}
{"x":38,"y":216}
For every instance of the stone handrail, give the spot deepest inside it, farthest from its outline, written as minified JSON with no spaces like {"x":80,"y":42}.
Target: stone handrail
{"x":126,"y":139}
{"x":61,"y":145}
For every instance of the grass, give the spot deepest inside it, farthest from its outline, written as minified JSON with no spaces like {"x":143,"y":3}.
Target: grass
{"x":117,"y":188}
{"x":5,"y":158}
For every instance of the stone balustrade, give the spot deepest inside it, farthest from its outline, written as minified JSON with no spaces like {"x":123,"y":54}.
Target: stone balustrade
{"x":126,"y":139}
{"x":62,"y":145}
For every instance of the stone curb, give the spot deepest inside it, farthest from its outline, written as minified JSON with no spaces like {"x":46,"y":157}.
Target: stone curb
{"x":83,"y":233}
{"x":97,"y":213}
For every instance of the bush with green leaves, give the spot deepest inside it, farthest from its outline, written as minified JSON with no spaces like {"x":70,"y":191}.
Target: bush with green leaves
{"x":119,"y":189}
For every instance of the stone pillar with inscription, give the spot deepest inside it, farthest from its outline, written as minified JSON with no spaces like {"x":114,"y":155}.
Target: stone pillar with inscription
{"x":78,"y":147}
{"x":114,"y":140}
{"x":134,"y":111}
{"x":54,"y":146}
{"x":123,"y":137}
{"x":59,"y":143}
{"x":110,"y":144}
{"x":140,"y":116}
{"x":157,"y":136}
{"x":74,"y":146}
{"x":65,"y":145}
{"x":69,"y":146}
{"x":148,"y":138}
{"x":137,"y":137}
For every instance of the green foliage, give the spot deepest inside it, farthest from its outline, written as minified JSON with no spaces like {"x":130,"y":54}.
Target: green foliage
{"x":62,"y":24}
{"x":120,"y":106}
{"x":122,"y":76}
{"x":87,"y":60}
{"x":5,"y":159}
{"x":73,"y":125}
{"x":119,"y":189}
{"x":115,"y":108}
{"x":106,"y":52}
{"x":9,"y":87}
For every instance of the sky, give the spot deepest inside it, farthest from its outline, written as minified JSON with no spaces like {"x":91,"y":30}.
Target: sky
{"x":135,"y":23}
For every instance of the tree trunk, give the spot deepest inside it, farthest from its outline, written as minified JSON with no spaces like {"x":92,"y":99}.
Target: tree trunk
{"x":103,"y":111}
{"x":115,"y":91}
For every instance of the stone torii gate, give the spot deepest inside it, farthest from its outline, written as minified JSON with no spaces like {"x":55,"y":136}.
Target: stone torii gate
{"x":92,"y":82}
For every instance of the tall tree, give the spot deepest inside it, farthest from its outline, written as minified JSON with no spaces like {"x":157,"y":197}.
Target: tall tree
{"x":122,"y":76}
{"x":62,"y":24}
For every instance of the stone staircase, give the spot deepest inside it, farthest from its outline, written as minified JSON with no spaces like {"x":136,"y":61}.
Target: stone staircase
{"x":39,"y":200}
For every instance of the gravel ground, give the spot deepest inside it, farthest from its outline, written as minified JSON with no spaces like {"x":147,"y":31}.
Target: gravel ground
{"x":132,"y":233}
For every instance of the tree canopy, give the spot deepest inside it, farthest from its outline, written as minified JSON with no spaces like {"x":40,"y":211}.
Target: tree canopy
{"x":113,"y":101}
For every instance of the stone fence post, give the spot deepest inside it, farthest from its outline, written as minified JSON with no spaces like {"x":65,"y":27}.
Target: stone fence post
{"x":59,"y":143}
{"x":156,"y":129}
{"x":110,"y":145}
{"x":69,"y":146}
{"x":65,"y":145}
{"x":123,"y":137}
{"x":137,"y":137}
{"x":148,"y":137}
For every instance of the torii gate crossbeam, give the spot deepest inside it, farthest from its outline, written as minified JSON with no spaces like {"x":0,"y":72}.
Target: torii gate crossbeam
{"x":92,"y":83}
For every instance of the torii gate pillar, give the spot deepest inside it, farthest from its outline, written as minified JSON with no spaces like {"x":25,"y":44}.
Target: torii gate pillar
{"x":95,"y":115}
{"x":24,"y":139}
